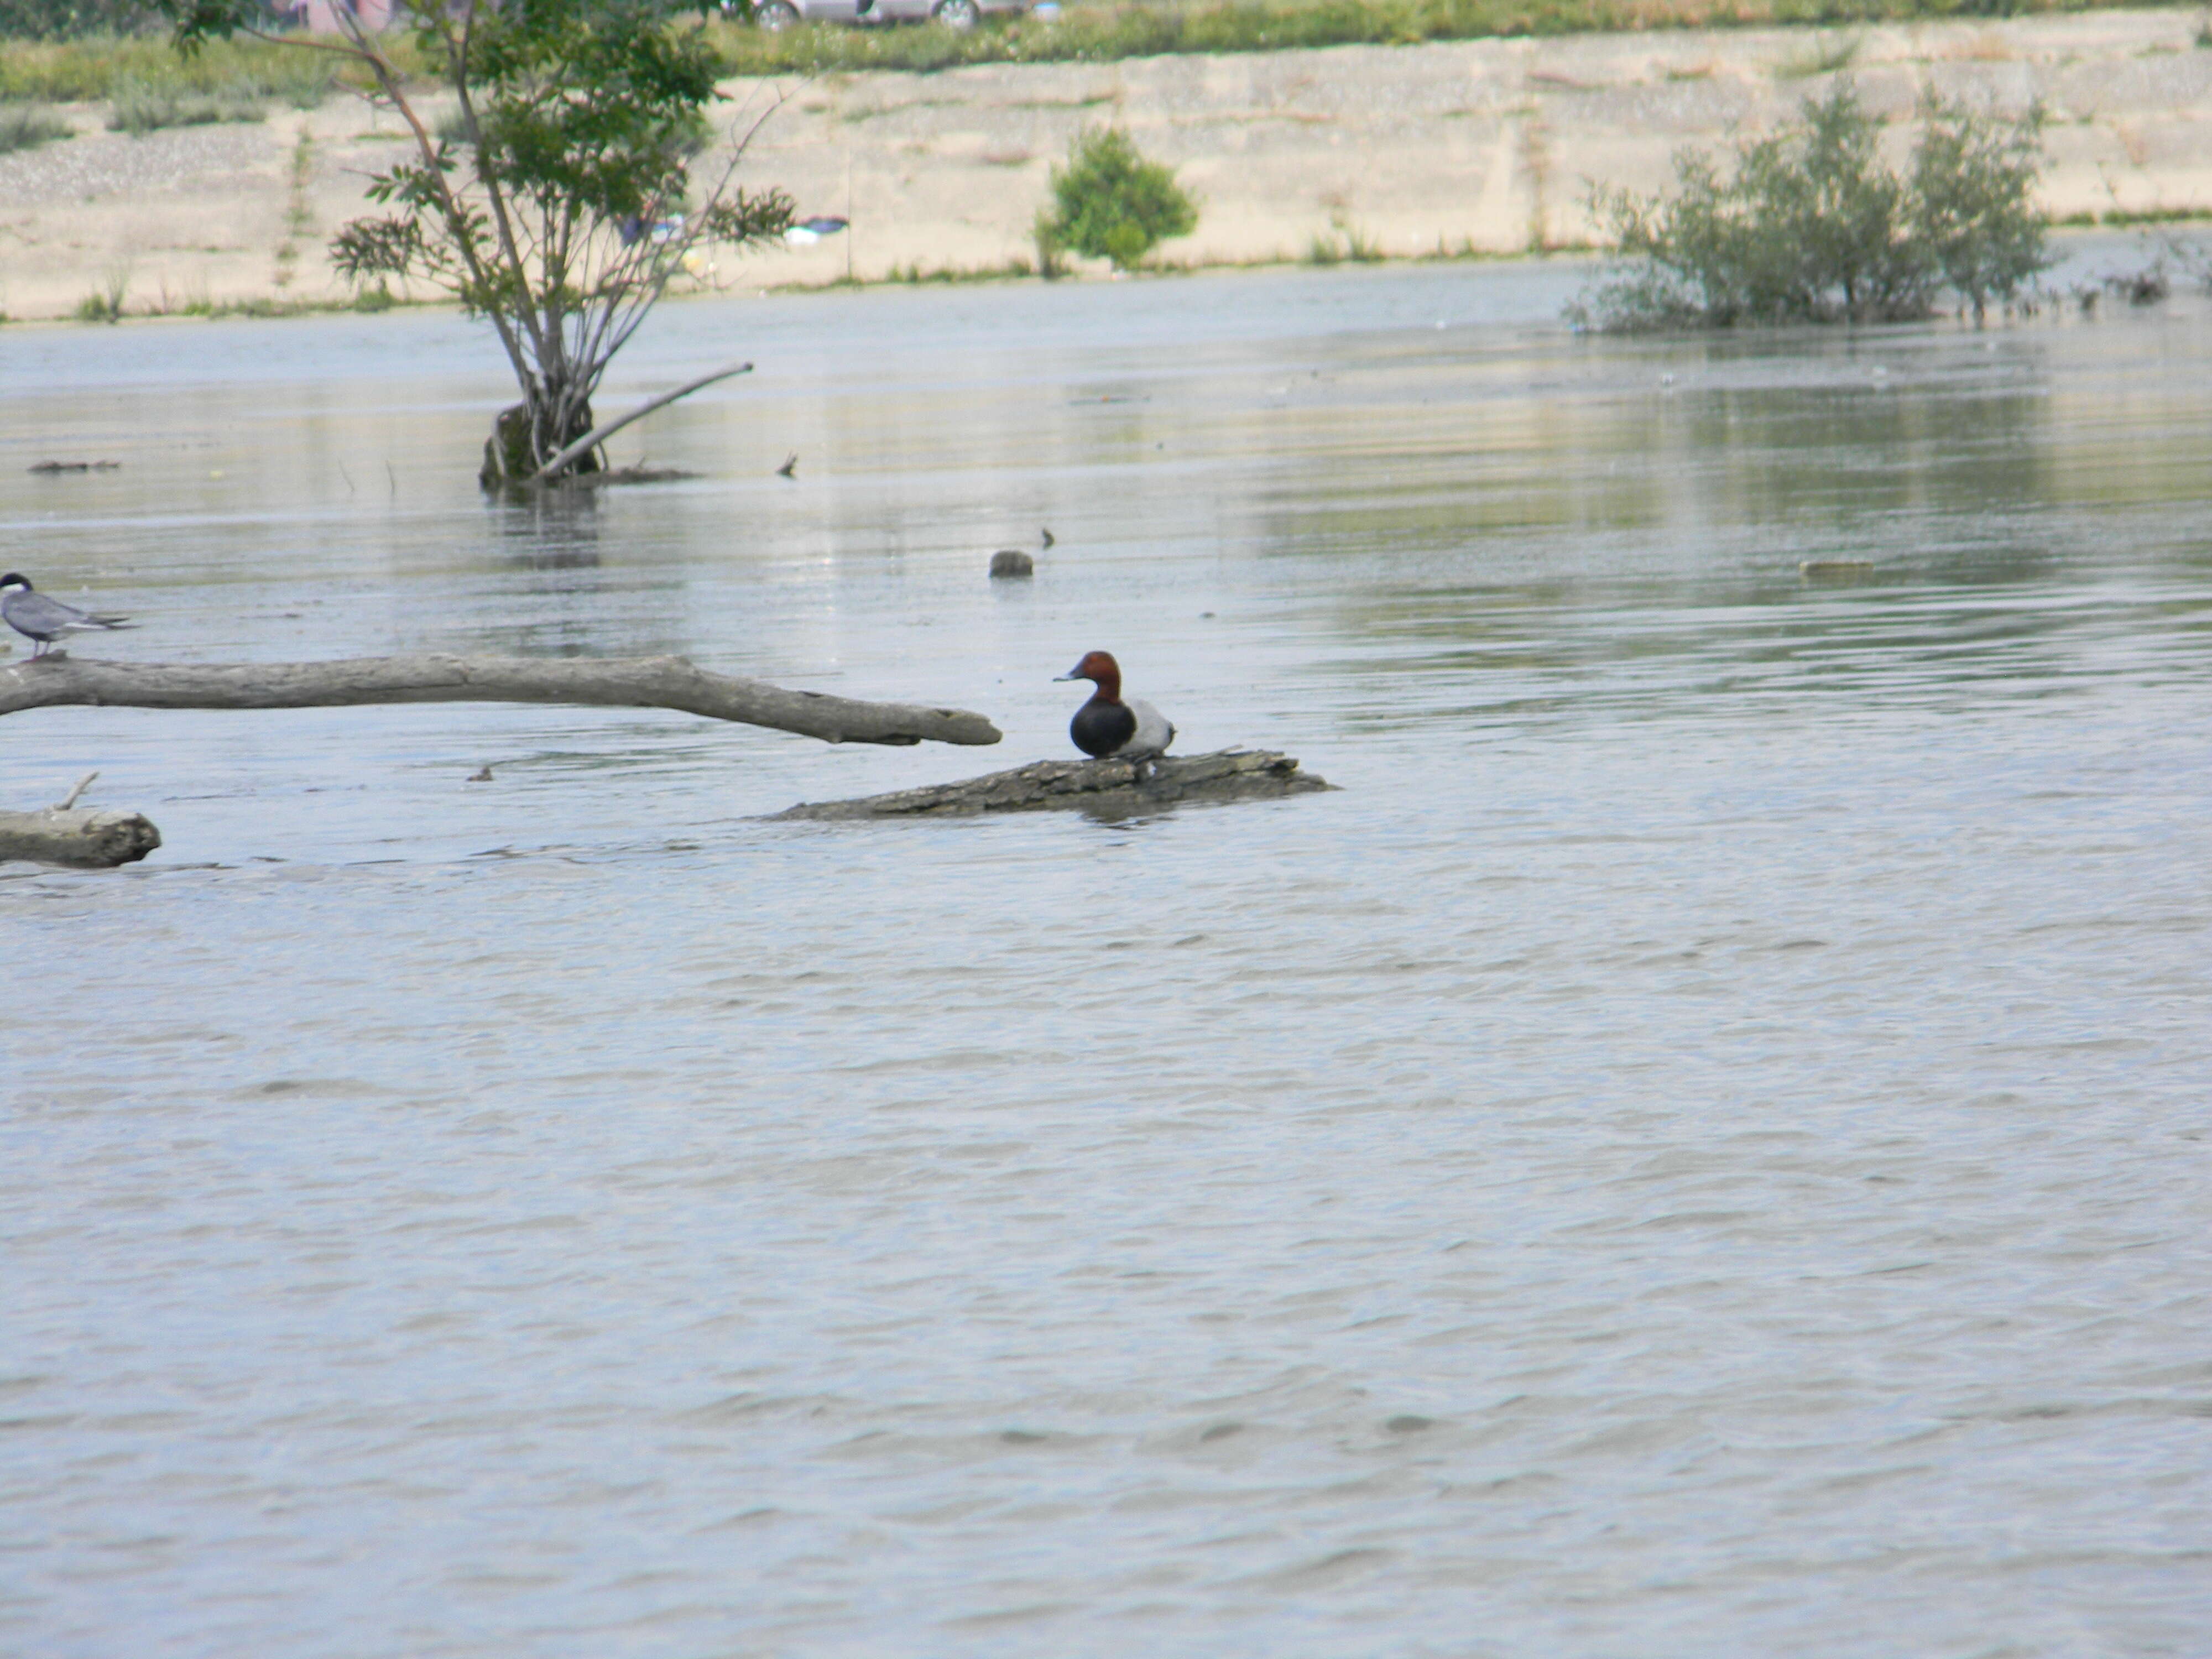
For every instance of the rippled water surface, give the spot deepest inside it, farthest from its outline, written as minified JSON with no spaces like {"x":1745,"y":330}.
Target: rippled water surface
{"x":1699,"y":1149}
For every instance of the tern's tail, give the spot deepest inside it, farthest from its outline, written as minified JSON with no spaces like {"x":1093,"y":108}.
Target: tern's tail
{"x":111,"y":621}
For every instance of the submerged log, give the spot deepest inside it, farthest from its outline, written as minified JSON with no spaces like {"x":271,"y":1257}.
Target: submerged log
{"x":1109,"y":788}
{"x":80,"y":838}
{"x":57,"y":678}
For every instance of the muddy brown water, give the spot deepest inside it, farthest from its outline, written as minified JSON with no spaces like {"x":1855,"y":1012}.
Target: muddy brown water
{"x":1700,"y":1147}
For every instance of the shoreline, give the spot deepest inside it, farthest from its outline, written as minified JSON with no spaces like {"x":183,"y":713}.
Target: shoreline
{"x":2061,"y":235}
{"x":1462,"y":149}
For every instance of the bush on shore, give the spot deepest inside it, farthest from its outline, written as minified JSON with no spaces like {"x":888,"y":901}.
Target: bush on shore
{"x":1109,"y":202}
{"x":1809,"y":225}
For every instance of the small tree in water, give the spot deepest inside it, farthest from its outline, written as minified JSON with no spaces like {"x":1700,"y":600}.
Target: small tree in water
{"x":1109,"y":202}
{"x":558,"y":203}
{"x":1811,"y":226}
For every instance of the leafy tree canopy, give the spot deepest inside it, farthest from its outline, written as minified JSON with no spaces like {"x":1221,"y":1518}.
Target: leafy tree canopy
{"x":559,"y":199}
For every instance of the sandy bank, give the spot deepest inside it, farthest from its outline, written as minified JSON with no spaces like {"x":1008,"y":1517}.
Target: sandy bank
{"x":1487,"y":146}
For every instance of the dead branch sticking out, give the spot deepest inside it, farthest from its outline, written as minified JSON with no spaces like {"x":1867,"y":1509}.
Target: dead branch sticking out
{"x":1109,"y":788}
{"x":58,"y":679}
{"x":598,"y":435}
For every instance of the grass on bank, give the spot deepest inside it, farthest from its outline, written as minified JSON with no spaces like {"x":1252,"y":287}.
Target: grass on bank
{"x":1093,"y":31}
{"x":1103,"y":30}
{"x":105,"y":303}
{"x":26,"y":128}
{"x":100,"y":67}
{"x":139,"y":109}
{"x":110,"y":303}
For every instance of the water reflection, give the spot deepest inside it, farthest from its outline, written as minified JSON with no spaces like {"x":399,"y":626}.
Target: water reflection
{"x":550,"y":530}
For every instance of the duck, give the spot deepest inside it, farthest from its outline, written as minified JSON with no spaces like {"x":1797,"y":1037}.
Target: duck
{"x":37,"y":617}
{"x":1106,"y":725}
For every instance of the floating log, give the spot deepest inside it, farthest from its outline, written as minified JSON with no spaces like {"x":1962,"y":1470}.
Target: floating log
{"x":80,"y":838}
{"x":59,"y":678}
{"x":1109,"y":788}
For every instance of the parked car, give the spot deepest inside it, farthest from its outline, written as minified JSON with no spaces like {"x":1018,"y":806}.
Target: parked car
{"x":774,"y":15}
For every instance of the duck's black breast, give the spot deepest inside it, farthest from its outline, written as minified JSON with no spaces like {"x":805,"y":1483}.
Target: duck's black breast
{"x":1100,"y":728}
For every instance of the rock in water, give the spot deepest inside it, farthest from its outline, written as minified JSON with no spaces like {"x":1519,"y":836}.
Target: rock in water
{"x":1012,"y":562}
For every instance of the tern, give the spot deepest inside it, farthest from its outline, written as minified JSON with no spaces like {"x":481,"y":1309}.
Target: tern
{"x":37,"y":617}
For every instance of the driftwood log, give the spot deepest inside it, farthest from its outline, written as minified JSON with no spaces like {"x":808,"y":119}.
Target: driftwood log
{"x":83,"y":840}
{"x":57,"y":678}
{"x":1109,"y":788}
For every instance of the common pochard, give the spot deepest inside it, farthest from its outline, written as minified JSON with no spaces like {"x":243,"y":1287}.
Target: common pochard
{"x":1132,"y":730}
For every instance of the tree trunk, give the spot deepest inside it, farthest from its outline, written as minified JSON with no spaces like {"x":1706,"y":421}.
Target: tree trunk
{"x":525,"y":436}
{"x":1106,"y":789}
{"x":57,"y":679}
{"x":80,"y":838}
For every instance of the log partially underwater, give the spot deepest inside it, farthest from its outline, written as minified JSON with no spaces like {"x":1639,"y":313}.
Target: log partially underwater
{"x":80,"y":838}
{"x":57,"y":679}
{"x":1109,"y":788}
{"x":84,"y":840}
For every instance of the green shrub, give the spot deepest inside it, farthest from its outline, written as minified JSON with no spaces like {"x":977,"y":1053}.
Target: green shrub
{"x":1109,"y":202}
{"x":26,"y":128}
{"x":1972,"y":176}
{"x":1809,"y":225}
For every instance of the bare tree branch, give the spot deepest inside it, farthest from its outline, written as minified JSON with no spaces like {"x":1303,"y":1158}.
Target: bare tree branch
{"x":600,"y":434}
{"x":58,"y":679}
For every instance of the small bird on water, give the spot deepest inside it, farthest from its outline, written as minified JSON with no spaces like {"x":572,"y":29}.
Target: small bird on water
{"x":1131,"y":731}
{"x":37,"y":617}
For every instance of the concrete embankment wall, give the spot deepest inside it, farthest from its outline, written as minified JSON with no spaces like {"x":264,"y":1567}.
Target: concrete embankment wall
{"x":1488,"y":145}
